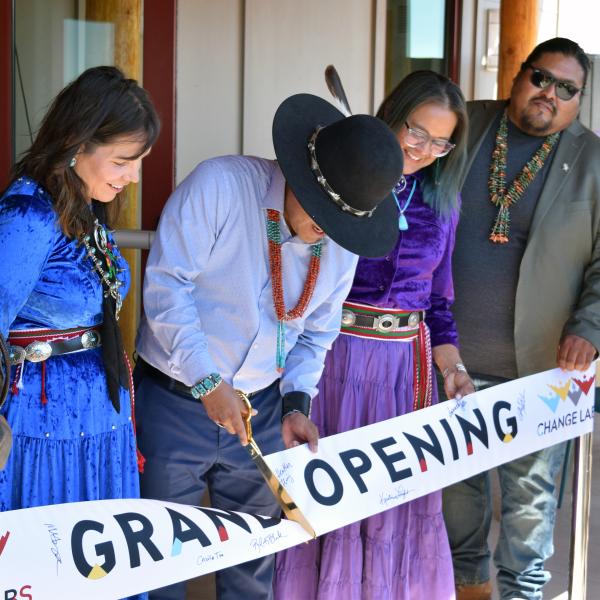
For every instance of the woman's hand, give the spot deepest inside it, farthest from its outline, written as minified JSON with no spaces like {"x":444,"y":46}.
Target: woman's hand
{"x":457,"y":382}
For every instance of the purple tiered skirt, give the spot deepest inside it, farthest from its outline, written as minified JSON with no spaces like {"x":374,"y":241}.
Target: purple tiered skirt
{"x":400,"y":554}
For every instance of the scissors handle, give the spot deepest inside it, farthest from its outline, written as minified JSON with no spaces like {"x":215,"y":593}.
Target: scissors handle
{"x":248,"y":416}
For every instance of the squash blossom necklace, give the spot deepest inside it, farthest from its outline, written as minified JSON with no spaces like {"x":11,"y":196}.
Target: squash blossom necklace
{"x":107,"y":266}
{"x":502,"y":197}
{"x":274,"y":240}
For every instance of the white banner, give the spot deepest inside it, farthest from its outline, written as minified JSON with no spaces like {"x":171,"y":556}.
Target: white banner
{"x":115,"y":548}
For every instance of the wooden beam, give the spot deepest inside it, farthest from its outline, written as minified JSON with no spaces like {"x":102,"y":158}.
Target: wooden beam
{"x":127,"y":18}
{"x":518,"y":37}
{"x":158,"y":175}
{"x":453,"y":27}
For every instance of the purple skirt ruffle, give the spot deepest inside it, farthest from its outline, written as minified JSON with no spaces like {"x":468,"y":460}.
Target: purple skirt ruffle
{"x":399,"y":554}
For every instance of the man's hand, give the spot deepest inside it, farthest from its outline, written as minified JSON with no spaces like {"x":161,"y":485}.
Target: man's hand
{"x":575,"y":353}
{"x":226,"y":408}
{"x":297,"y":429}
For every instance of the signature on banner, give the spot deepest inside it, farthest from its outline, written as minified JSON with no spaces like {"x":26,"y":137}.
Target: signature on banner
{"x":399,"y":493}
{"x":284,"y":475}
{"x":258,"y":543}
{"x":207,"y":558}
{"x":54,"y":539}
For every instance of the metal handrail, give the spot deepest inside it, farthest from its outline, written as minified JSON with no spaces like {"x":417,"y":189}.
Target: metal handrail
{"x":134,"y":238}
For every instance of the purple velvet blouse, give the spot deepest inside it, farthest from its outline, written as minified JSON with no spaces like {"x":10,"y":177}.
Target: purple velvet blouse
{"x":417,"y":273}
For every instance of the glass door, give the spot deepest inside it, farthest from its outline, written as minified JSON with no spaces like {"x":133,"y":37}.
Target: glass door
{"x":421,"y":34}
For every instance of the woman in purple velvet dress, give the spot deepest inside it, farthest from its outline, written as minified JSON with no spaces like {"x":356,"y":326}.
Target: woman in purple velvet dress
{"x":381,"y":366}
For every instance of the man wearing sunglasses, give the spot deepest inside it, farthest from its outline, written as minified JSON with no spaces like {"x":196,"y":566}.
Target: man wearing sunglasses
{"x":527,"y":282}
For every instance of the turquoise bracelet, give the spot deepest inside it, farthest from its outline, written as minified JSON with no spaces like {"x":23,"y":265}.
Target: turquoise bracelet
{"x":206,"y":385}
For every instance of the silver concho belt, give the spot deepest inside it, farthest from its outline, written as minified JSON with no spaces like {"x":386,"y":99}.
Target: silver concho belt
{"x":381,"y":322}
{"x":37,"y":346}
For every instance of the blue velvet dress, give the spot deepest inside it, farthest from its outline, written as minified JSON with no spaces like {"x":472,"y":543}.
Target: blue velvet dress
{"x":76,"y":446}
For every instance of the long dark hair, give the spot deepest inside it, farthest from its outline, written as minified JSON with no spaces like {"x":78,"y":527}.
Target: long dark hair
{"x":442,"y":178}
{"x":98,"y":107}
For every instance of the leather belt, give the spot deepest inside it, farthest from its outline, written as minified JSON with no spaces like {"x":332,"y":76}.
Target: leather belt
{"x":172,"y":384}
{"x":39,"y":345}
{"x":382,"y":320}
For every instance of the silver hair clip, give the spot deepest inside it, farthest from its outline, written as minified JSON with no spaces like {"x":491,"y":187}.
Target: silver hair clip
{"x":314,"y":165}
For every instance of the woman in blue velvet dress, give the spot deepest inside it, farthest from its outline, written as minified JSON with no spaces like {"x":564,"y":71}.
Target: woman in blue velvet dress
{"x":61,"y":285}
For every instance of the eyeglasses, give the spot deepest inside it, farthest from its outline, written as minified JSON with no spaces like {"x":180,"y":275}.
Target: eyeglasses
{"x":417,"y":138}
{"x":542,"y":79}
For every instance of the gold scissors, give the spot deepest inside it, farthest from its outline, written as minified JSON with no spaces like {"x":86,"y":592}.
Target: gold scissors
{"x":289,"y":507}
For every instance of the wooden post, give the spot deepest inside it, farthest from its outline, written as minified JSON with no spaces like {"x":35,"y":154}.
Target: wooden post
{"x":127,"y":18}
{"x":518,"y":37}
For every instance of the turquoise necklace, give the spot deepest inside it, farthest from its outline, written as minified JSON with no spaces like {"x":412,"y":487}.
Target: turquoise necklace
{"x":402,"y":222}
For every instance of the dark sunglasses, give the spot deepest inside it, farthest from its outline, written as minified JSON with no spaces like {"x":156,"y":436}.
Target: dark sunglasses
{"x":543,"y":79}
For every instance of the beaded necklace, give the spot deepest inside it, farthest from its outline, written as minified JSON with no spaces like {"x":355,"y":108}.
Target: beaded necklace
{"x":274,"y":241}
{"x":107,"y":266}
{"x":502,"y":197}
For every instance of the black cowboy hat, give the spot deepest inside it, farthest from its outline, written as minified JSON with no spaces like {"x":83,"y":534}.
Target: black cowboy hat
{"x":360,"y":160}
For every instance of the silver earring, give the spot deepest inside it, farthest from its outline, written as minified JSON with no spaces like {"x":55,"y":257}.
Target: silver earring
{"x":73,"y":162}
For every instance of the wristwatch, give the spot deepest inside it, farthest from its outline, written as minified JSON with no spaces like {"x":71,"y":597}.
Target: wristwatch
{"x":295,"y":402}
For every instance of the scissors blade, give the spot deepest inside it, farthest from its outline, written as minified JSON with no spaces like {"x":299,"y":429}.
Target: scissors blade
{"x":289,"y":507}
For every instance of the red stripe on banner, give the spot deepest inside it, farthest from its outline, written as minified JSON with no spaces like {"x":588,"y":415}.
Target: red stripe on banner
{"x":223,"y":536}
{"x":3,"y":541}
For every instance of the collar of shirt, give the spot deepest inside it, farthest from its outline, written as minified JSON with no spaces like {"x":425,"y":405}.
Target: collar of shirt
{"x":275,"y":199}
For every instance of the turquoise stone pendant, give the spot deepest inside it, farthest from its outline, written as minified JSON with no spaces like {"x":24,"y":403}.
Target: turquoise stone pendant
{"x":402,"y":222}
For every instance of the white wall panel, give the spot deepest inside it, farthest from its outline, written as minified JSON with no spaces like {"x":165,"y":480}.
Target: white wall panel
{"x":288,"y":44}
{"x":209,"y":81}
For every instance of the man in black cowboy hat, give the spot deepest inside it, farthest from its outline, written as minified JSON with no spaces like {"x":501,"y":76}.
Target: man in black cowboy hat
{"x":244,"y":288}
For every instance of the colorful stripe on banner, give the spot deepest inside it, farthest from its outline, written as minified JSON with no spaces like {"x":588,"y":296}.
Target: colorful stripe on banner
{"x":115,"y":548}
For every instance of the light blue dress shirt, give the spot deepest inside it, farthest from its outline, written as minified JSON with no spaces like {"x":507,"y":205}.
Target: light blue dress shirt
{"x":208,"y":300}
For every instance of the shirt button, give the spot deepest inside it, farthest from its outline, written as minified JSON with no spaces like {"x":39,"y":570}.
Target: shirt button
{"x":381,"y":288}
{"x":387,"y":258}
